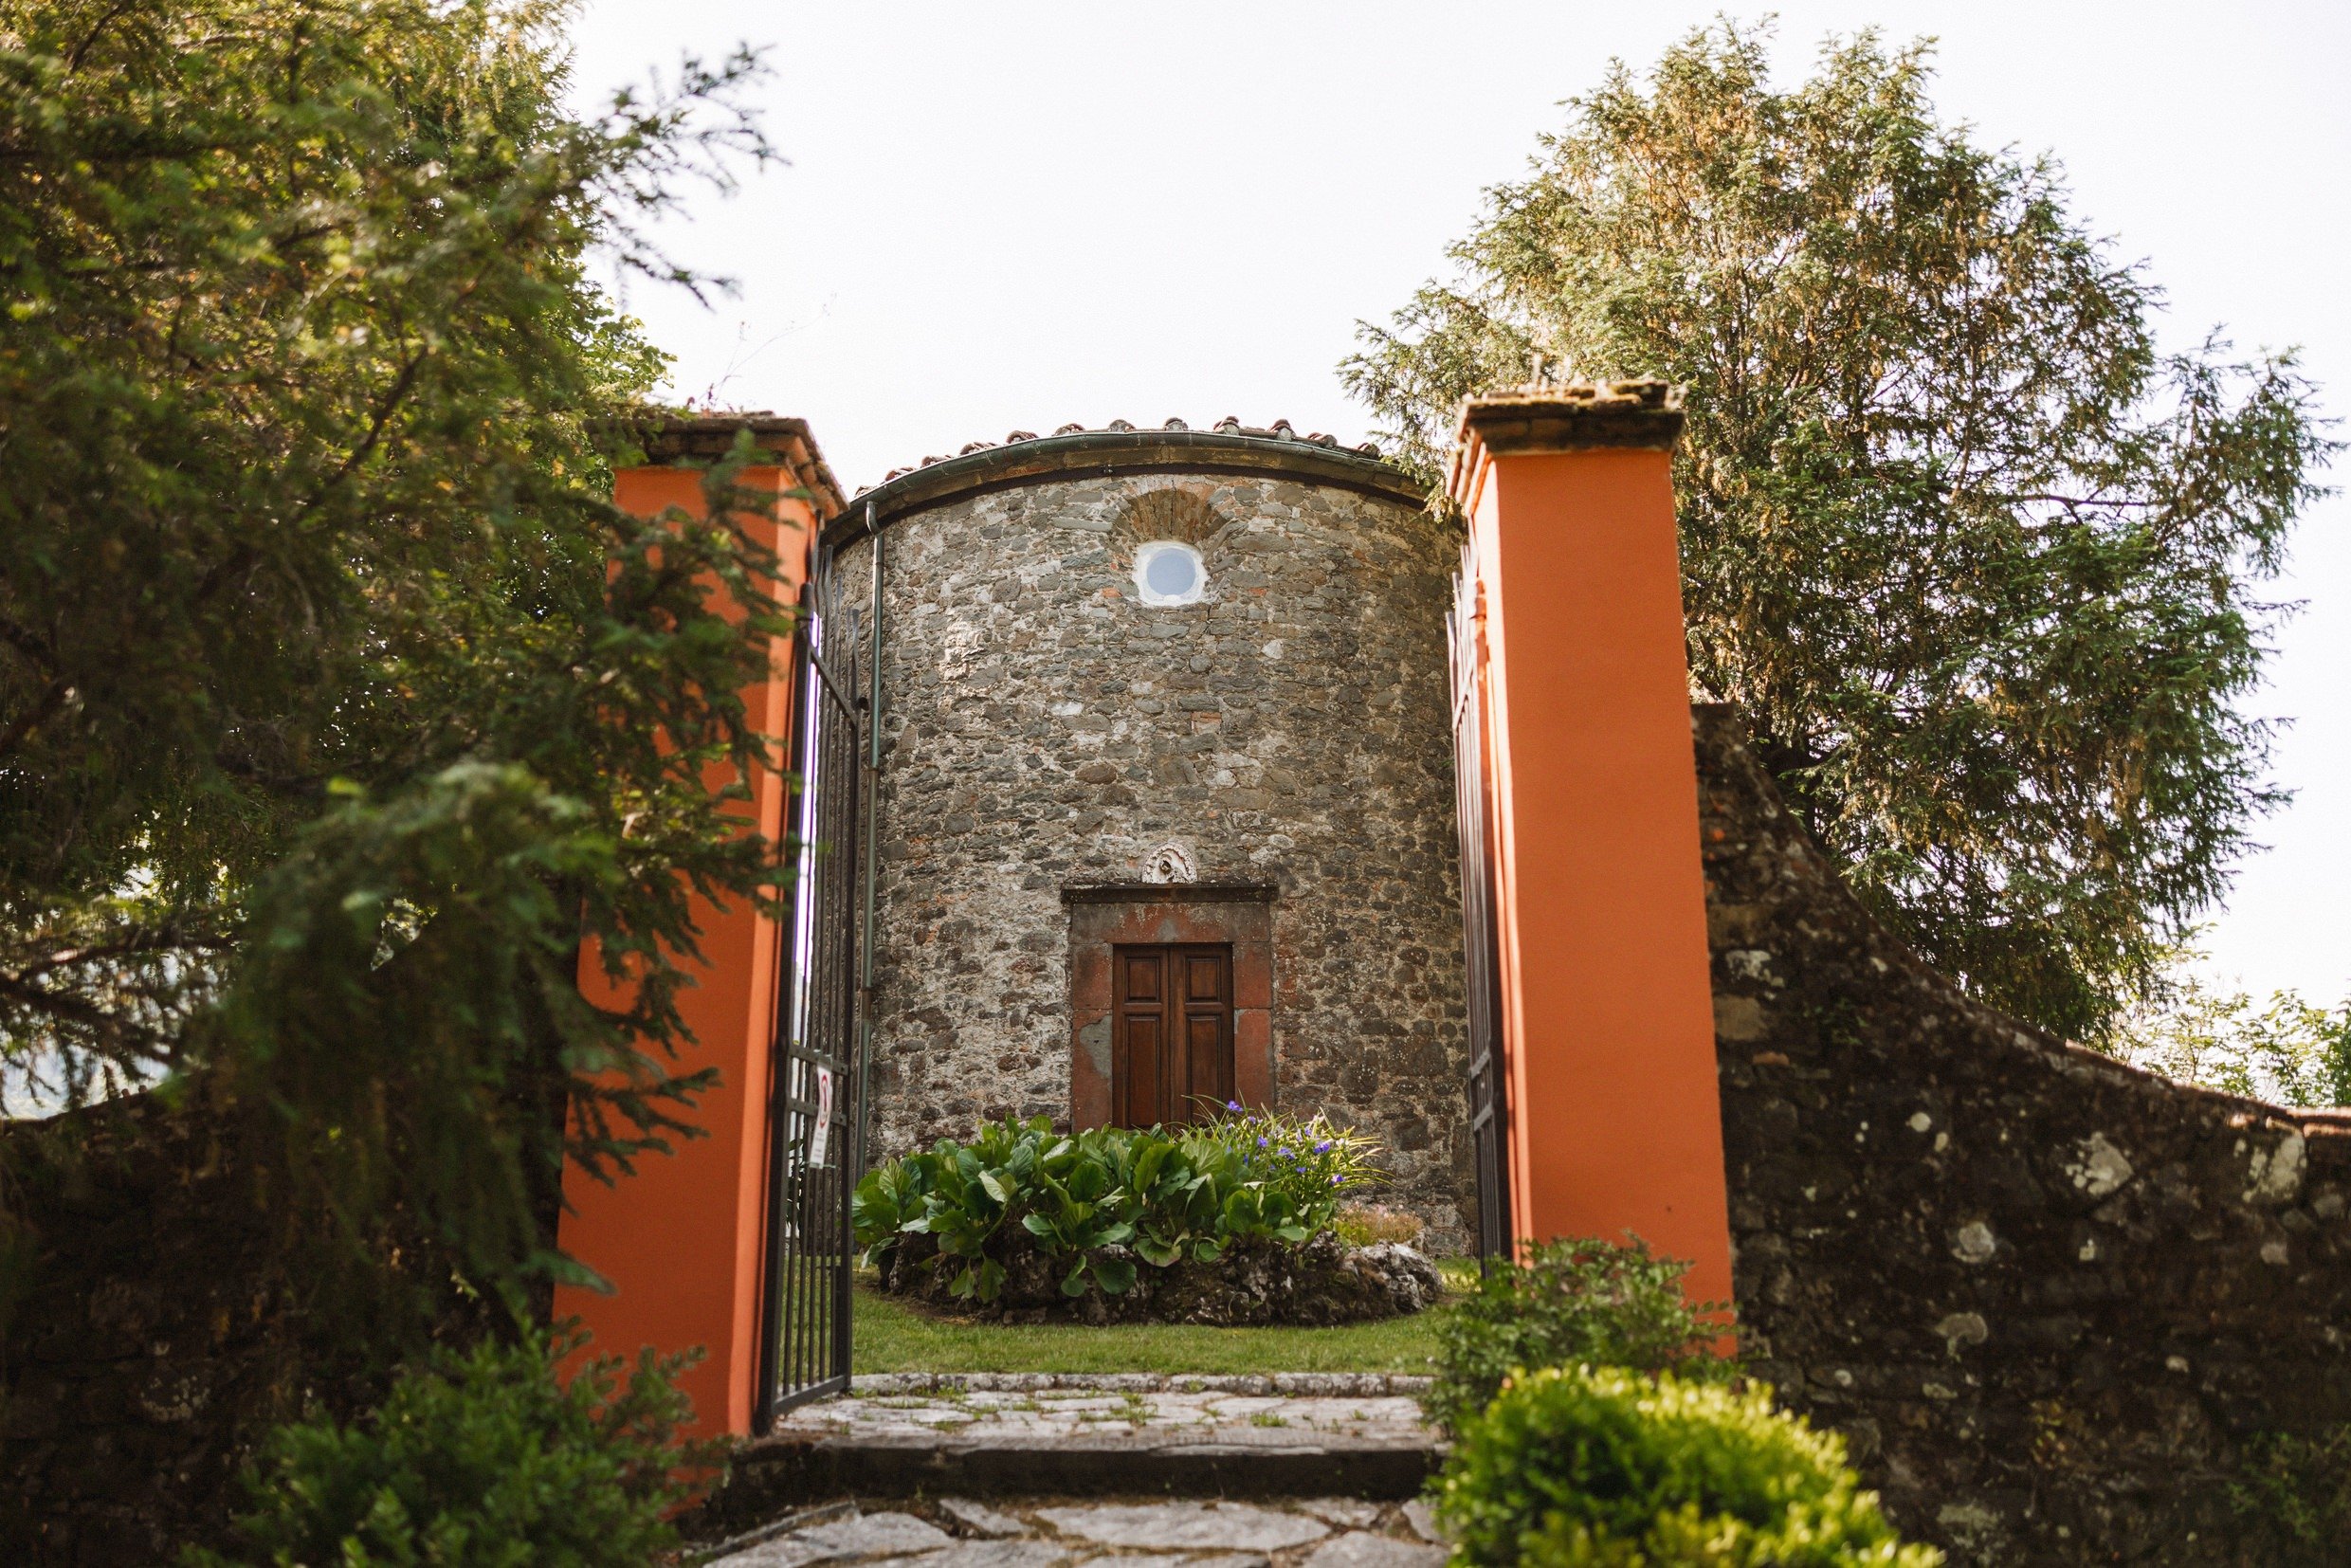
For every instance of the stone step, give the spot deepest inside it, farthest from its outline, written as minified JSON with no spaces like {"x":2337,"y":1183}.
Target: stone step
{"x":1274,"y":1435}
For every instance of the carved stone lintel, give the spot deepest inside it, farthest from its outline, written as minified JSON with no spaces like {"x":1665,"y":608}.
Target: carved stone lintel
{"x":1171,"y":892}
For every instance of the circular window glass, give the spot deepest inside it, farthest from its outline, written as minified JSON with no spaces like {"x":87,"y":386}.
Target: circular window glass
{"x":1169,"y":572}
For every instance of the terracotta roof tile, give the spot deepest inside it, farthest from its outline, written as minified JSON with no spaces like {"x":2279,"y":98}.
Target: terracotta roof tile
{"x":1280,"y":430}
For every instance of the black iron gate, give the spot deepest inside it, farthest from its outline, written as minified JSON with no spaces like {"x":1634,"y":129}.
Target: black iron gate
{"x":1489,"y":1117}
{"x":817,"y":1120}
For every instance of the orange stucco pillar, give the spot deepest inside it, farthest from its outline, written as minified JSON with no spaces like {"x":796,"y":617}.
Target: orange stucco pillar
{"x":681,"y":1241}
{"x":1606,"y":1003}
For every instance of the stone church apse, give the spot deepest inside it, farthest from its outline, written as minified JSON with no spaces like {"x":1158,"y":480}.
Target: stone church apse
{"x":1166,"y":806}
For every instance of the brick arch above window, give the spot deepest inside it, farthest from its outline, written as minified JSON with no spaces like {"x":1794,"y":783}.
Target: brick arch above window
{"x":1173,"y":511}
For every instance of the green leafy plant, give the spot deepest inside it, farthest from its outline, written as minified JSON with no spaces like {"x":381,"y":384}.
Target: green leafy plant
{"x":1177,"y":1213}
{"x":488,"y":1459}
{"x":1584,"y":1467}
{"x":1098,"y":1202}
{"x":1574,"y":1303}
{"x":2294,"y":1495}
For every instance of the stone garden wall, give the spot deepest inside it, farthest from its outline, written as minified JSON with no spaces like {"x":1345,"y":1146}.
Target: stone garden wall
{"x":1046,"y":732}
{"x":2048,"y":1298}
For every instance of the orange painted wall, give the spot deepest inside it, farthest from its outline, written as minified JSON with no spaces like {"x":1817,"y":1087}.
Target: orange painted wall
{"x":1607,"y":1003}
{"x":681,"y":1241}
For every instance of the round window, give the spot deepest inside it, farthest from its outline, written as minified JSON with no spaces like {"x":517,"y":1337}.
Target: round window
{"x":1168,"y":572}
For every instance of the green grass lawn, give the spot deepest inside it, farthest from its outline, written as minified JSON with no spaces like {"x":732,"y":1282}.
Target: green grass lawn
{"x":893,"y":1336}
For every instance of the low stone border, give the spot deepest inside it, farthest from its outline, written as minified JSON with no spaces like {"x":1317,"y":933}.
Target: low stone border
{"x":1328,"y":1385}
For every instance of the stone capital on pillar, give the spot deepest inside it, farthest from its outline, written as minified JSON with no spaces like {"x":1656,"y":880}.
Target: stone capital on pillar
{"x":1606,"y":998}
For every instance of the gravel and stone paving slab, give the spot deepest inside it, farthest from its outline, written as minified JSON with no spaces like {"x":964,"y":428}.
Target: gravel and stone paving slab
{"x":978,"y":1518}
{"x":1039,"y":1532}
{"x":990,"y":1554}
{"x":1361,"y":1549}
{"x":857,"y":1537}
{"x":1175,"y":1525}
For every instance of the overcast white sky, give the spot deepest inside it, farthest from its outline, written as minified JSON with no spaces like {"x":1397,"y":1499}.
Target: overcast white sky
{"x":1010,"y":215}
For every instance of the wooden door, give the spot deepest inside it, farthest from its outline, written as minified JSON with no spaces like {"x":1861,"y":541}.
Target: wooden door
{"x":1172,"y":1034}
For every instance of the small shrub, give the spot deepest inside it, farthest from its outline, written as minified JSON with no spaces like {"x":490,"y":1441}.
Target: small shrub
{"x":1097,"y":1203}
{"x":479,"y":1459}
{"x":1371,"y":1224}
{"x":1577,"y":1468}
{"x":2294,"y":1494}
{"x":1578,"y":1302}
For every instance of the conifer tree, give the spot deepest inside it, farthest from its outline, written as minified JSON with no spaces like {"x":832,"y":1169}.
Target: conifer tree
{"x":1979,"y":562}
{"x":338,"y":704}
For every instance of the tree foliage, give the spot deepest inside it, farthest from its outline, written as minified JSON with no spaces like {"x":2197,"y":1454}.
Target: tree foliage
{"x":2284,"y":1051}
{"x":338,"y":704}
{"x":1977,"y":557}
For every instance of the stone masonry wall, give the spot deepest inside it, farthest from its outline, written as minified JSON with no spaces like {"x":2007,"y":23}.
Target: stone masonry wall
{"x":1045,"y":730}
{"x":2048,"y":1298}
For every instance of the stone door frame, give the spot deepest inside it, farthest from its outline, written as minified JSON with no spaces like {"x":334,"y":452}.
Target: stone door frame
{"x":1239,"y":915}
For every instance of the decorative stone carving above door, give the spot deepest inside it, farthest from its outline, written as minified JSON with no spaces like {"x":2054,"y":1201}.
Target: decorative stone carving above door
{"x":1170,"y":862}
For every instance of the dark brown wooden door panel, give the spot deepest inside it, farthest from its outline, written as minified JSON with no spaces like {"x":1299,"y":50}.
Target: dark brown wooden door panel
{"x":1205,"y":1047}
{"x":1204,"y":976}
{"x":1140,"y":1056}
{"x":1146,"y":973}
{"x":1172,"y":1038}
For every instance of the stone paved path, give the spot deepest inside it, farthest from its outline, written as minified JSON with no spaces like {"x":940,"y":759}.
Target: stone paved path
{"x":1043,"y":1533}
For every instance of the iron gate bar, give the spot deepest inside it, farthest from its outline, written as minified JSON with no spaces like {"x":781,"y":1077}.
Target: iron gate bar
{"x":797,"y":765}
{"x":873,"y":799}
{"x":817,"y":1108}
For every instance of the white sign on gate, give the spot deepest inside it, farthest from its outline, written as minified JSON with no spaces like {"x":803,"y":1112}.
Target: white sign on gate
{"x":823,"y":1132}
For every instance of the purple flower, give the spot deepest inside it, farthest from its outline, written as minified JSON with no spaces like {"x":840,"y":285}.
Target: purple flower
{"x":1261,"y":1142}
{"x":1323,"y":1147}
{"x":1334,"y":1180}
{"x":1232,"y":1105}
